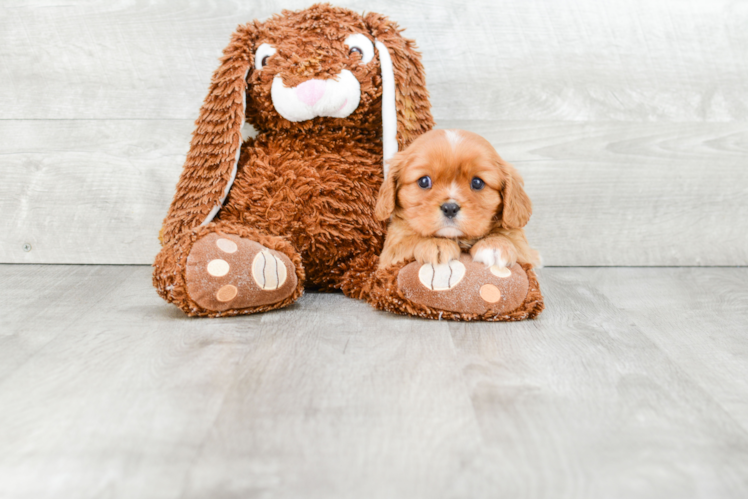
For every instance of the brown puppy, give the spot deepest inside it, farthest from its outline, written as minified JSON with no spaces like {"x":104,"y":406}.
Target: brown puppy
{"x":449,"y":191}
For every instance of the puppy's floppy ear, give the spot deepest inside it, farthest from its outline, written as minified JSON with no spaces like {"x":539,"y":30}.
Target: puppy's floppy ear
{"x":406,"y":110}
{"x":388,"y":191}
{"x":211,"y":163}
{"x":516,"y":209}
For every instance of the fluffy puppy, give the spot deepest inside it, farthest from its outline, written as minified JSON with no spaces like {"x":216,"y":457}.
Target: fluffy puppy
{"x":449,"y":191}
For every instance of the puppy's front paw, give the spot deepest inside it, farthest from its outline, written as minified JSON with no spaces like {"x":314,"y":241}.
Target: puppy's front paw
{"x":436,"y":251}
{"x":494,"y":253}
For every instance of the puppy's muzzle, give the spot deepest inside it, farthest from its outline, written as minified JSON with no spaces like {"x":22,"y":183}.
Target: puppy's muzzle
{"x":450,"y":209}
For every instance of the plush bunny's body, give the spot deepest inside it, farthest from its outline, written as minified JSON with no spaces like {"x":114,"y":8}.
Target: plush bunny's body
{"x":317,"y":194}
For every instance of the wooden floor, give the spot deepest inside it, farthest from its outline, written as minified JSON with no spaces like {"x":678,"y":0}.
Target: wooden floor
{"x":633,"y":382}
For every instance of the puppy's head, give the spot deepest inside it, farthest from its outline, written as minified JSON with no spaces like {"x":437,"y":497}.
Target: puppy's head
{"x":453,"y":184}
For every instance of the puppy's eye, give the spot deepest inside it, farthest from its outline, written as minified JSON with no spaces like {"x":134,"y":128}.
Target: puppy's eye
{"x":356,"y":50}
{"x":265,"y":61}
{"x":477,"y":183}
{"x":425,"y":182}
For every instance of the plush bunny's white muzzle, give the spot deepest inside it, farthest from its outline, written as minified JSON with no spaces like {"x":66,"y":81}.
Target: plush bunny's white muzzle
{"x":336,"y":98}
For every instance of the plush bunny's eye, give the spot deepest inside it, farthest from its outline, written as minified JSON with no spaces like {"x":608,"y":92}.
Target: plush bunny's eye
{"x":360,"y":44}
{"x":424,"y":182}
{"x":262,"y":55}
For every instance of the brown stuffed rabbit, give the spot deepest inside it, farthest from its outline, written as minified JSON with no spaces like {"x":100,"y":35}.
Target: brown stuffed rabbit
{"x":332,"y":95}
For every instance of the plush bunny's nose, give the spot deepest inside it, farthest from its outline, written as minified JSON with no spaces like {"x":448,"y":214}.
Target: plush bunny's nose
{"x":310,"y":91}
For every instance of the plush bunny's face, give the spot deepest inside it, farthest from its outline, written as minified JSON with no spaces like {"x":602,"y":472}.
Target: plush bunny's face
{"x":313,"y":70}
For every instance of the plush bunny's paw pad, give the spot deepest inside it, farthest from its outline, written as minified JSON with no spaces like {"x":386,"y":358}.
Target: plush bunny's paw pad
{"x":464,"y":286}
{"x":439,"y":277}
{"x":228,"y":272}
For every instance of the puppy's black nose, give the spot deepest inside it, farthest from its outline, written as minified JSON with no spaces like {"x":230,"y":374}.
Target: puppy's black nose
{"x":450,"y":209}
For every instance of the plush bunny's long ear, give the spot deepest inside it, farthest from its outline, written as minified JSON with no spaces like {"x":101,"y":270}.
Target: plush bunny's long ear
{"x":211,"y":163}
{"x":406,"y":110}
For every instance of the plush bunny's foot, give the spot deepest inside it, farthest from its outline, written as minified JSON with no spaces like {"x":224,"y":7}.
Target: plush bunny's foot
{"x":464,"y":286}
{"x":461,"y":290}
{"x":228,"y":272}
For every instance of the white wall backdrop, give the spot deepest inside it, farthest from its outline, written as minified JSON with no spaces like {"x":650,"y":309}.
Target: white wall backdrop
{"x":628,"y":120}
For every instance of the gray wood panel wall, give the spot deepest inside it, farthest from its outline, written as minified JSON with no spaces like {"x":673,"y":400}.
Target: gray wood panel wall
{"x":628,"y":120}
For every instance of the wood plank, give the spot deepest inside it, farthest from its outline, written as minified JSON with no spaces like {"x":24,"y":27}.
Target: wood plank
{"x":625,"y":194}
{"x":88,"y":191}
{"x":109,"y":406}
{"x":534,"y":60}
{"x":582,"y":402}
{"x":717,"y":310}
{"x":380,"y":412}
{"x":37,"y":306}
{"x":125,"y":396}
{"x":609,"y":193}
